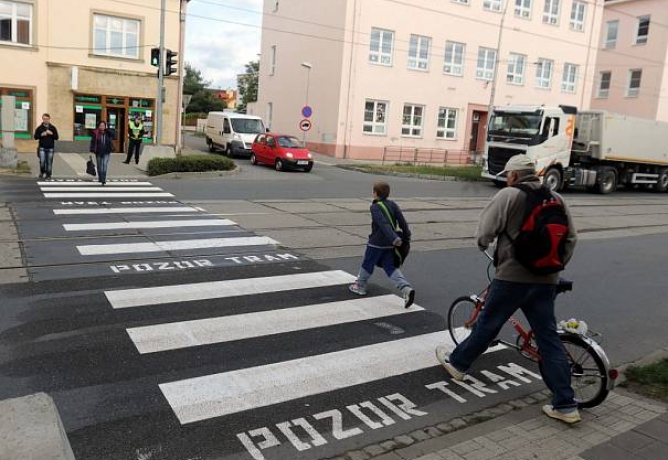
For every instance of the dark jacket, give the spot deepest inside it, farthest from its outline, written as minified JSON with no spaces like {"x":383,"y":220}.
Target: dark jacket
{"x":101,"y":144}
{"x":382,"y":232}
{"x":48,"y":141}
{"x":502,"y":219}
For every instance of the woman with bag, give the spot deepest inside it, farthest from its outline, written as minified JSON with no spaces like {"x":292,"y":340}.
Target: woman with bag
{"x":101,"y":145}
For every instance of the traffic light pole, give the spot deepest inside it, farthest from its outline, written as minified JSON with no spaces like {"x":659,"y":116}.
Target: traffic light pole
{"x":161,"y":75}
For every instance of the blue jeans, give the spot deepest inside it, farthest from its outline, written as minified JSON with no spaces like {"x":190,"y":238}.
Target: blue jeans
{"x":537,"y":303}
{"x":384,"y":258}
{"x":102,"y":163}
{"x":45,"y":162}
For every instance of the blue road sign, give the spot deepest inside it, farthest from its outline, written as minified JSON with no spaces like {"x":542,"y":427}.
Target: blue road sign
{"x":307,"y":111}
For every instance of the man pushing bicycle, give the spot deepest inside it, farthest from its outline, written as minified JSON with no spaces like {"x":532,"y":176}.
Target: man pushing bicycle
{"x":535,"y":238}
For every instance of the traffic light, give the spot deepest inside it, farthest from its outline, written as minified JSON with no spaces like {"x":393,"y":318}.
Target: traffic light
{"x":170,"y":63}
{"x":155,"y":57}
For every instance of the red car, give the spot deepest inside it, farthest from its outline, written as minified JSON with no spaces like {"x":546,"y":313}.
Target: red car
{"x":281,"y":151}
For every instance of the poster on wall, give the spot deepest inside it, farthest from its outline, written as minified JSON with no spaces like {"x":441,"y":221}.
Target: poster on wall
{"x":91,"y":120}
{"x":20,"y":120}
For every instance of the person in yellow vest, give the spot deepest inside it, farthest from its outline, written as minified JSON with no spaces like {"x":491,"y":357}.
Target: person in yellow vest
{"x":135,"y":135}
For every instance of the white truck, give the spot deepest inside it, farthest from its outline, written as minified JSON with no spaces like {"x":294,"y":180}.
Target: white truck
{"x":595,"y":149}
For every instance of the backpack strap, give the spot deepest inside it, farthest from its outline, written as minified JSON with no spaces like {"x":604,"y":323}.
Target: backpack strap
{"x":388,"y":214}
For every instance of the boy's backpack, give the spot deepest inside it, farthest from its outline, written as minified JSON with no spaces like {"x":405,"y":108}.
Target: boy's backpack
{"x":539,"y":247}
{"x":401,"y":252}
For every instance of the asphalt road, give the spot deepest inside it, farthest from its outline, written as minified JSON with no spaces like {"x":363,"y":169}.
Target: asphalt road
{"x":163,"y":339}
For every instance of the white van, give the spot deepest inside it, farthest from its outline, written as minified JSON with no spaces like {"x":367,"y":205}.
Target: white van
{"x":233,"y":133}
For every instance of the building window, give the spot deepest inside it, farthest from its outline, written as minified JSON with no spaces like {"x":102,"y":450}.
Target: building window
{"x":272,"y":66}
{"x":115,"y":36}
{"x":418,"y":52}
{"x":463,"y":2}
{"x":16,"y":22}
{"x":380,"y":48}
{"x":544,"y":73}
{"x":375,"y":117}
{"x":447,"y":123}
{"x":643,"y":30}
{"x":23,"y":111}
{"x":551,"y":12}
{"x":523,"y":9}
{"x":454,"y":58}
{"x":411,"y":125}
{"x":578,"y":16}
{"x":604,"y":84}
{"x":486,"y":62}
{"x":569,"y":78}
{"x":611,"y":29}
{"x":492,"y":5}
{"x":270,"y":114}
{"x":635,"y":75}
{"x":516,"y":64}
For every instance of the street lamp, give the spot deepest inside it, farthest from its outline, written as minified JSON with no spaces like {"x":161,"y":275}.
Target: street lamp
{"x":497,"y":60}
{"x":307,"y":66}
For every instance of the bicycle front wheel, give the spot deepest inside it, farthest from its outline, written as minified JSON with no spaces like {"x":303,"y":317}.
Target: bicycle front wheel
{"x":589,"y":377}
{"x":462,"y":315}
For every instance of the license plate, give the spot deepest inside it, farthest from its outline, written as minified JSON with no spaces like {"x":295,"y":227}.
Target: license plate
{"x":302,"y":162}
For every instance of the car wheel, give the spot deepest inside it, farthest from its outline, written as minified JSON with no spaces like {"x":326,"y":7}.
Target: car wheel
{"x":278,"y":165}
{"x":308,"y":168}
{"x":228,"y":151}
{"x":253,"y":160}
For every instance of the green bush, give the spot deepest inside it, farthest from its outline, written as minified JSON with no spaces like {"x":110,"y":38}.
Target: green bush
{"x":189,"y":163}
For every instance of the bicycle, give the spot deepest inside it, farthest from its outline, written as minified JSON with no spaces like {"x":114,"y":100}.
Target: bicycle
{"x":592,"y":377}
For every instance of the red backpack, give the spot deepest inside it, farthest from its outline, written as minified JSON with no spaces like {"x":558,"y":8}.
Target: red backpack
{"x":539,"y":247}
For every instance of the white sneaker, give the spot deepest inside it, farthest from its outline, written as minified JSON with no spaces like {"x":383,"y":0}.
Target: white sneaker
{"x":357,"y":289}
{"x":443,"y":356}
{"x":409,"y":296}
{"x":570,"y":417}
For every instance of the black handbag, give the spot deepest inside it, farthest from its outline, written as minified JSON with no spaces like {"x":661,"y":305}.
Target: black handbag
{"x":90,"y":166}
{"x":400,"y":252}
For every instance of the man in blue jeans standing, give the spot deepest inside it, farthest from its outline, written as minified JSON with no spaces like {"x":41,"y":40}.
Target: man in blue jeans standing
{"x":47,"y":135}
{"x":515,"y":287}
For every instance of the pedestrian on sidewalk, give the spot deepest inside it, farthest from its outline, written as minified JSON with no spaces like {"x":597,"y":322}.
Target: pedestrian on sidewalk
{"x":47,"y":135}
{"x":515,"y":286}
{"x":135,"y":136}
{"x":101,"y":145}
{"x":389,"y":231}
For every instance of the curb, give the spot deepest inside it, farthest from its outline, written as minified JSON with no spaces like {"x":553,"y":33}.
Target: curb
{"x":409,"y":175}
{"x":203,"y":174}
{"x":652,"y":358}
{"x":442,"y":429}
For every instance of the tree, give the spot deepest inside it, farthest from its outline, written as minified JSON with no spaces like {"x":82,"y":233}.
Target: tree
{"x":248,"y":83}
{"x":203,"y":100}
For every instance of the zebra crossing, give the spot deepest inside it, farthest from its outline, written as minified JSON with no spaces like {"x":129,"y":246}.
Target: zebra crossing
{"x":244,"y":360}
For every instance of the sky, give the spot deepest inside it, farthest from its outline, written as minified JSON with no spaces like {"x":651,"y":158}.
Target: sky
{"x":216,"y":41}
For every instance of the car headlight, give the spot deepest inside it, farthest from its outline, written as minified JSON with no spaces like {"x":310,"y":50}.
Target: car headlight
{"x":309,"y":156}
{"x":289,"y":155}
{"x":237,"y":137}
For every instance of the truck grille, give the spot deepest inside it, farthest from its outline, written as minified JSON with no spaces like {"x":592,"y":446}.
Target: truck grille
{"x":497,"y":157}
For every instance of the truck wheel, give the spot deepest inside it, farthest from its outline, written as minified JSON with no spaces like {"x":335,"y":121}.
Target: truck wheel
{"x":608,"y":181}
{"x":662,"y":182}
{"x":498,"y":183}
{"x":552,"y":179}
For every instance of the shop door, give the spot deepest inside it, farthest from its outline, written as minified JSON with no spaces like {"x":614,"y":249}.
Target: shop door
{"x":118,"y":124}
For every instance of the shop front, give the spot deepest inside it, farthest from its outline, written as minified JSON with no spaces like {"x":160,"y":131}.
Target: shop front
{"x":23,"y":112}
{"x":117,"y":111}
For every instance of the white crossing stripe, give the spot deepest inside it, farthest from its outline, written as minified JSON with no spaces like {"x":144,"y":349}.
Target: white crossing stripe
{"x":55,"y":183}
{"x":216,"y":395}
{"x":160,"y":295}
{"x":100,"y":189}
{"x":137,"y":210}
{"x":107,"y":195}
{"x":149,"y":224}
{"x":184,"y":334}
{"x":178,"y":245}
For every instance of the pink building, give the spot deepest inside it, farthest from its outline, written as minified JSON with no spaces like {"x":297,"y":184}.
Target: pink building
{"x":417,"y":75}
{"x":631,"y":67}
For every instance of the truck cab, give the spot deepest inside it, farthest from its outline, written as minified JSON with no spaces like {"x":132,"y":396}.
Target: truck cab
{"x":545,"y":134}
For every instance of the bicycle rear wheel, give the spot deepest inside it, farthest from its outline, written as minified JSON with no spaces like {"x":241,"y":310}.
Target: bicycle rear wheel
{"x":461,"y":318}
{"x":589,"y":377}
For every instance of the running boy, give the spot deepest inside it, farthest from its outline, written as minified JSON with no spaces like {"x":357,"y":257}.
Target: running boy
{"x":380,"y":250}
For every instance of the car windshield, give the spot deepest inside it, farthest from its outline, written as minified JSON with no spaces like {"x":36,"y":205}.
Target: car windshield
{"x":247,"y":126}
{"x":518,"y":124}
{"x":289,"y":142}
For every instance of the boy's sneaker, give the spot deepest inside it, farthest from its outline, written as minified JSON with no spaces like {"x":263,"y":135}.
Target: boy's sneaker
{"x":357,"y":289}
{"x":443,"y":356}
{"x":409,"y":296}
{"x":569,"y":417}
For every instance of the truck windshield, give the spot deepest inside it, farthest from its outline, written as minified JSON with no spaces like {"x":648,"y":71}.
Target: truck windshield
{"x":516,"y":124}
{"x":247,"y":126}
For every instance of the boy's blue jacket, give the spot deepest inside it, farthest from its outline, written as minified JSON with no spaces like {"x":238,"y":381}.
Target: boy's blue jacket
{"x":382,"y":232}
